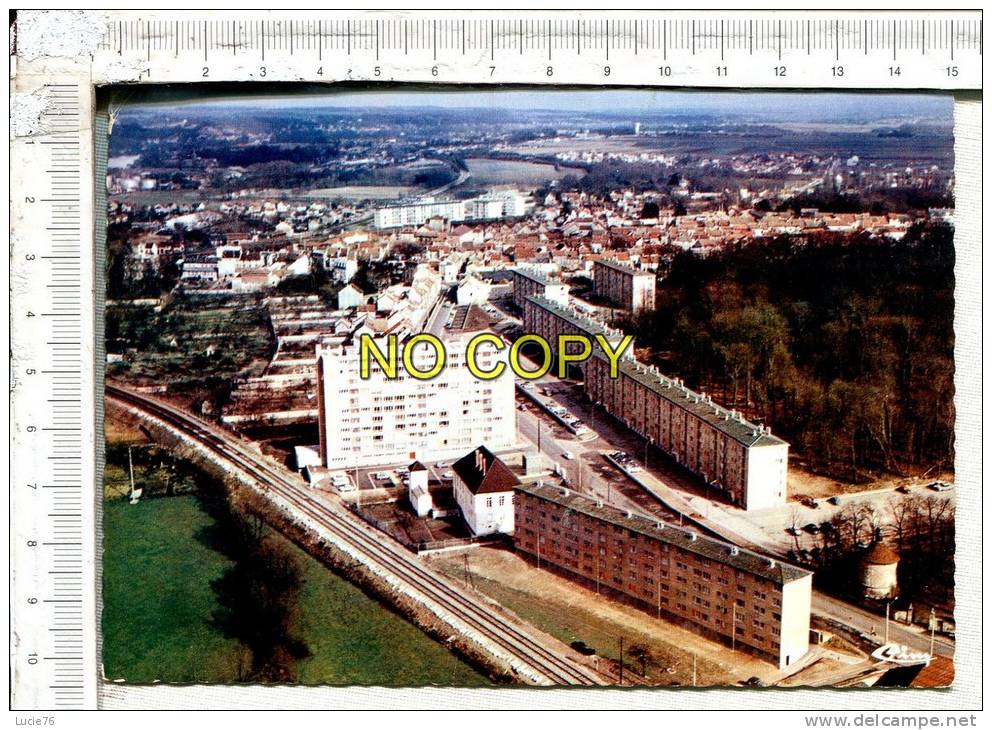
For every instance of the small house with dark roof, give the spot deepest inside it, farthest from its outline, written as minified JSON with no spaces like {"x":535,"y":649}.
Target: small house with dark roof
{"x":483,"y":488}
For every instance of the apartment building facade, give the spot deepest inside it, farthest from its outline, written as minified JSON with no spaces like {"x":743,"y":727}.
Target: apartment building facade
{"x":415,"y":214}
{"x":548,"y":319}
{"x":741,"y":459}
{"x":494,"y":205}
{"x":383,"y":420}
{"x":530,"y":283}
{"x":748,"y":601}
{"x":623,"y":285}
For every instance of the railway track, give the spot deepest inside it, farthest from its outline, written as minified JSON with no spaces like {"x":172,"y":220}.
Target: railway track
{"x":544,"y":665}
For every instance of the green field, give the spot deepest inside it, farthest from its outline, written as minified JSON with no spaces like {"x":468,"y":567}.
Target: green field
{"x":159,"y":602}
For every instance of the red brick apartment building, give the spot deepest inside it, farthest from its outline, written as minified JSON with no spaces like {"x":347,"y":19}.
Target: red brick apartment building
{"x":742,"y":459}
{"x":530,"y":283}
{"x":623,"y":285}
{"x":548,"y":319}
{"x":746,"y":600}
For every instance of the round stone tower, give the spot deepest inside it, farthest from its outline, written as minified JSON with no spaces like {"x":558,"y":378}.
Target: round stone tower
{"x":878,"y":572}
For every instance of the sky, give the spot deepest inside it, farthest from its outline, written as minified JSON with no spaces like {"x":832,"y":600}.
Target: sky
{"x":797,"y":106}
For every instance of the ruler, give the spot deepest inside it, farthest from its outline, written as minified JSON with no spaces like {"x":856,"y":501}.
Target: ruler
{"x":53,"y":656}
{"x":55,"y":393}
{"x":769,"y":49}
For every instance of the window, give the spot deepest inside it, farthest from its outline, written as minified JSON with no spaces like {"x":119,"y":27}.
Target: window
{"x":489,"y":501}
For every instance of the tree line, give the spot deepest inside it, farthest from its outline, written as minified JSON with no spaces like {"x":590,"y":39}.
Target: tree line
{"x":843,"y":344}
{"x":921,"y":528}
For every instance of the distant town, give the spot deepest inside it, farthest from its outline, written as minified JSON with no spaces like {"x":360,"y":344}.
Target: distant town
{"x":592,"y":394}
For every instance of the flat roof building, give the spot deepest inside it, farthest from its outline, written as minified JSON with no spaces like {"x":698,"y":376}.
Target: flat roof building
{"x":623,"y":285}
{"x":742,"y":459}
{"x":530,"y":283}
{"x":383,"y":420}
{"x":744,"y":599}
{"x":549,"y":319}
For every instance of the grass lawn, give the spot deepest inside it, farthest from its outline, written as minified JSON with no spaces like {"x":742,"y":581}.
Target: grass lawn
{"x":157,"y":596}
{"x":158,"y":605}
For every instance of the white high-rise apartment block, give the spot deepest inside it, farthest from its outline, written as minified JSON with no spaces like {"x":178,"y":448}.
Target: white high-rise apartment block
{"x":382,"y":420}
{"x":415,"y":214}
{"x":493,"y":205}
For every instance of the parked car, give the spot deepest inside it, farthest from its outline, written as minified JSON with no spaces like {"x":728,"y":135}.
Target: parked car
{"x":835,"y":499}
{"x":941,"y":486}
{"x":567,"y":455}
{"x":812,"y":528}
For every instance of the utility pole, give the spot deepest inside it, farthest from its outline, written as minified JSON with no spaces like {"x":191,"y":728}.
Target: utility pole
{"x":887,"y":604}
{"x":733,"y":627}
{"x":933,"y":628}
{"x":694,"y":669}
{"x":468,"y":575}
{"x":130,"y":468}
{"x":621,"y":661}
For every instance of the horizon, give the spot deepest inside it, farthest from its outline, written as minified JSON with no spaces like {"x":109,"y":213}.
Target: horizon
{"x":799,"y":106}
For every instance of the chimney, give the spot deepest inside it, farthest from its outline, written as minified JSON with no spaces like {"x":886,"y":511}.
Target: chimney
{"x":771,"y":563}
{"x":691,"y":536}
{"x":734,"y":550}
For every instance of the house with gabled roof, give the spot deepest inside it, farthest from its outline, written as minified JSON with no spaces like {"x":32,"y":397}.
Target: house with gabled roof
{"x":483,"y":488}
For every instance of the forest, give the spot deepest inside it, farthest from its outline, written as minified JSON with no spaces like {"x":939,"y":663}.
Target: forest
{"x":844,"y":345}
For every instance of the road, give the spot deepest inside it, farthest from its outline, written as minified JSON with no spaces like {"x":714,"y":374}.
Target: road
{"x":718,"y":518}
{"x":865,"y":622}
{"x":535,"y":657}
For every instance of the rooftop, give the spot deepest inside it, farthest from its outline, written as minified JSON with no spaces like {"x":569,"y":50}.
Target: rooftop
{"x":484,"y":473}
{"x":623,"y":267}
{"x":536,"y":276}
{"x":589,"y":326}
{"x":723,"y":419}
{"x":881,"y":554}
{"x":681,"y":537}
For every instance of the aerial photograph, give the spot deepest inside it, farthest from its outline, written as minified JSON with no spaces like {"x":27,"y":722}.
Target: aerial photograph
{"x":416,"y":387}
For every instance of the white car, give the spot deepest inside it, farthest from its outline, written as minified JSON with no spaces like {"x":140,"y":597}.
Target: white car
{"x":567,"y":455}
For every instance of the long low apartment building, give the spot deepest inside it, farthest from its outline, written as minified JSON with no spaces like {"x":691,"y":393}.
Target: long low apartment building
{"x":531,"y":283}
{"x":549,"y":320}
{"x":623,"y":285}
{"x":749,"y":601}
{"x":742,"y":459}
{"x":494,"y":205}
